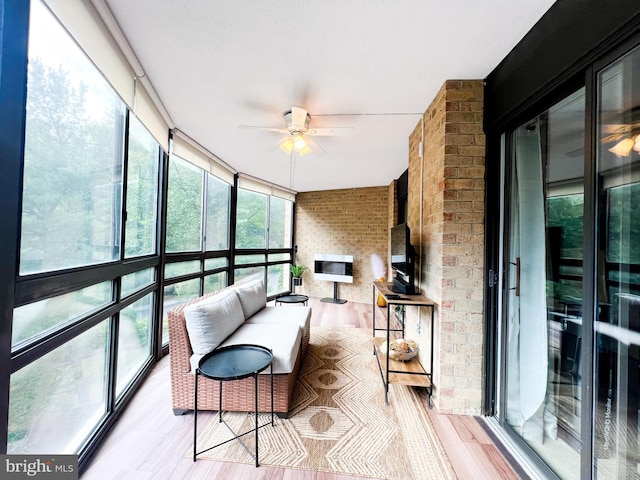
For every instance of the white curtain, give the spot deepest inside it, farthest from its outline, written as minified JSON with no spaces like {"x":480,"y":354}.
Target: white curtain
{"x":528,"y":363}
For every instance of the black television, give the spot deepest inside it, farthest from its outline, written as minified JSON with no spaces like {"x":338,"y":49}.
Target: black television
{"x":402,"y":260}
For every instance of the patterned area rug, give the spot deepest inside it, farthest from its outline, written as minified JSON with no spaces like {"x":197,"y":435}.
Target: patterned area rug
{"x":339,"y":422}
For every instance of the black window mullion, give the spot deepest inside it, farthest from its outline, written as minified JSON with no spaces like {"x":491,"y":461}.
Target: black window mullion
{"x":41,"y":286}
{"x":233,"y":212}
{"x":203,"y":227}
{"x":161,"y":246}
{"x":125,"y":177}
{"x":14,"y":28}
{"x":112,"y":352}
{"x":267,"y":229}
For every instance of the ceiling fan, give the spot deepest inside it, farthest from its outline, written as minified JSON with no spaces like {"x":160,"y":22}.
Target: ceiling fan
{"x":298,"y":132}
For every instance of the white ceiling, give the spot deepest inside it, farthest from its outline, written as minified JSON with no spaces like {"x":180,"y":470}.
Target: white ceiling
{"x":374,"y":65}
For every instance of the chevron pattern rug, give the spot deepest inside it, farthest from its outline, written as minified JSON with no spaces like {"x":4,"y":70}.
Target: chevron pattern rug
{"x":339,"y":422}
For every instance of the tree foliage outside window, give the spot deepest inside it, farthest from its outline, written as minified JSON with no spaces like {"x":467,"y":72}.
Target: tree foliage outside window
{"x":142,"y":191}
{"x":134,"y":340}
{"x":566,"y":214}
{"x":174,"y":295}
{"x":280,"y":222}
{"x":215,"y":282}
{"x":72,"y":170}
{"x":218,"y":208}
{"x":251,"y":218}
{"x":45,"y":316}
{"x":57,"y":400}
{"x":624,"y":227}
{"x":184,"y":207}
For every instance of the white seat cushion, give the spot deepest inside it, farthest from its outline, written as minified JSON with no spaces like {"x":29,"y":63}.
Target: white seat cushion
{"x":211,"y":321}
{"x":283,"y":340}
{"x":298,"y":315}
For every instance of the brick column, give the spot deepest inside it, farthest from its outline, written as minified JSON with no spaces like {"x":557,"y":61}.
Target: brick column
{"x":446,"y":216}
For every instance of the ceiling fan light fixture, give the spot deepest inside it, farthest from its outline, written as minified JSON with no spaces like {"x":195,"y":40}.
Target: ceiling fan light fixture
{"x":623,"y":147}
{"x":305,"y":150}
{"x":296,"y":143}
{"x":299,"y":142}
{"x":286,"y":144}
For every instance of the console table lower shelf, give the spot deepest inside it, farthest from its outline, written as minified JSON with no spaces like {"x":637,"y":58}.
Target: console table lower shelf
{"x":404,"y":373}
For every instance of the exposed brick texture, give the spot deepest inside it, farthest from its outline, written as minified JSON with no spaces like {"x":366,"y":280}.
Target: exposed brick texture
{"x":446,"y":216}
{"x":346,"y":222}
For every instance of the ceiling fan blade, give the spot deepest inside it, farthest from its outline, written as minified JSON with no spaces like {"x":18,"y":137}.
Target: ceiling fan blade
{"x":269,"y":129}
{"x":330,"y":131}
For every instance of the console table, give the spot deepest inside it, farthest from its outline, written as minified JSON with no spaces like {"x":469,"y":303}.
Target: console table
{"x":392,"y":371}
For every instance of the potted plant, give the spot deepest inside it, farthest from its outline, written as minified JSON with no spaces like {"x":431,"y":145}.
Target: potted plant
{"x":297,"y":271}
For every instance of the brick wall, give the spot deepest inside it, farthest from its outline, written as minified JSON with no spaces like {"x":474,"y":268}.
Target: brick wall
{"x":446,"y":217}
{"x":346,"y":222}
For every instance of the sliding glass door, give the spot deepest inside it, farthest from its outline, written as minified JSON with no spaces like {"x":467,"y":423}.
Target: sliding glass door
{"x":570,"y":328}
{"x":617,"y":327}
{"x":542,"y":399}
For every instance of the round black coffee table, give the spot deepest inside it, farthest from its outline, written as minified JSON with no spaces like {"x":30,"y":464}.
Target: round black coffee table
{"x":293,"y":298}
{"x":234,"y":362}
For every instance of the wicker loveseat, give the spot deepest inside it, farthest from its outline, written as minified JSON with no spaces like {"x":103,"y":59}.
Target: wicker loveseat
{"x":284,"y":329}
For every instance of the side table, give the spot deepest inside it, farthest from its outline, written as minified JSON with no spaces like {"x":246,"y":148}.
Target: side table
{"x":233,"y":362}
{"x":293,"y":298}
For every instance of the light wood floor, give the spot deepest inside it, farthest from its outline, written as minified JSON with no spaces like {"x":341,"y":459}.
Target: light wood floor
{"x":149,"y":443}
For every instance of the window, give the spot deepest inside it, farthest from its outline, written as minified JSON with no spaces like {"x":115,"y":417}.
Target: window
{"x":212,"y":263}
{"x":135,"y":281}
{"x":277,"y":278}
{"x":68,"y":318}
{"x":73,"y":167}
{"x":280,"y":222}
{"x":249,"y":259}
{"x":134,"y":340}
{"x":174,"y":295}
{"x":215,"y":282}
{"x":142,"y":188}
{"x":251,"y":218}
{"x":249,"y":273}
{"x":56,"y":401}
{"x":184,"y":207}
{"x":36,"y":319}
{"x":218,"y":208}
{"x":255,"y":230}
{"x":181,"y":268}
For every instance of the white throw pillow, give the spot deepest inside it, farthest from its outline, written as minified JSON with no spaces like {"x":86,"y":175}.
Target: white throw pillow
{"x":253,"y":297}
{"x":211,"y":321}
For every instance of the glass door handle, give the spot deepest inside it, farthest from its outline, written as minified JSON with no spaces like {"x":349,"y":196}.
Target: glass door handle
{"x":517,"y":287}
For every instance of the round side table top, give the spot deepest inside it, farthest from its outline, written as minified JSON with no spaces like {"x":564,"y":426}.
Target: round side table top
{"x":293,"y":298}
{"x":235,"y":362}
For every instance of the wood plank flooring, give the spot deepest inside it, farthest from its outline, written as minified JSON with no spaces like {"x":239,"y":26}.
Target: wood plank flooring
{"x":149,"y":443}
